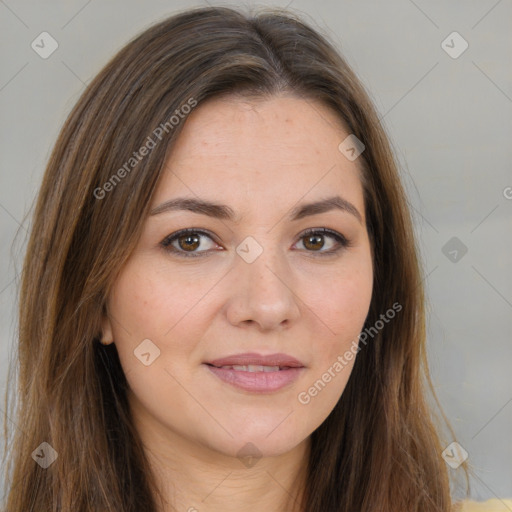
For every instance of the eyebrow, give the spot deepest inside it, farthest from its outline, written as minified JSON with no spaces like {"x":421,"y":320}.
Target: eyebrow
{"x":224,"y":212}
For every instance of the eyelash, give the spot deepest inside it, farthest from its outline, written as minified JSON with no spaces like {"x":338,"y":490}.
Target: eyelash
{"x":167,"y":241}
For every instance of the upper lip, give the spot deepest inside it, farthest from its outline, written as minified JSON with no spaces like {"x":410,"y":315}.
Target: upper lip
{"x":281,"y":360}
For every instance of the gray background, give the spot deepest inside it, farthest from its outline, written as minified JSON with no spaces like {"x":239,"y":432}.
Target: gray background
{"x":450,"y":124}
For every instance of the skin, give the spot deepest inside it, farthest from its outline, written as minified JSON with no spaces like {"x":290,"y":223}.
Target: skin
{"x":260,"y":157}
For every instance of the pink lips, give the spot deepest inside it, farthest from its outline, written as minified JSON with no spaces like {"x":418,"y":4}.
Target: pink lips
{"x":257,"y":381}
{"x":256,"y":359}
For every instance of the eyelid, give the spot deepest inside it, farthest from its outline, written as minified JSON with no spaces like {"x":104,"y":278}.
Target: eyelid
{"x":342,"y":240}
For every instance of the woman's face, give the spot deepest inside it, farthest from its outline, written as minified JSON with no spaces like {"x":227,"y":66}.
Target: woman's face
{"x":253,"y":283}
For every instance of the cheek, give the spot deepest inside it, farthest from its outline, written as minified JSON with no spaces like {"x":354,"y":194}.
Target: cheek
{"x":340,"y":305}
{"x":339,"y":312}
{"x":168,"y":308}
{"x":137,"y":308}
{"x":341,"y":300}
{"x":154,"y":302}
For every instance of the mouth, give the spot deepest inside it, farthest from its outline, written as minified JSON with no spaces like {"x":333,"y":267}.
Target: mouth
{"x":252,"y":368}
{"x":255,"y":373}
{"x":255,"y":362}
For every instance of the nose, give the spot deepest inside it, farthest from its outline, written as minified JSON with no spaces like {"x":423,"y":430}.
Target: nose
{"x":262,"y":293}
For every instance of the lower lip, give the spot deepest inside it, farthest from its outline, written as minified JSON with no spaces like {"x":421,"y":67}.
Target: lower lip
{"x":257,"y":382}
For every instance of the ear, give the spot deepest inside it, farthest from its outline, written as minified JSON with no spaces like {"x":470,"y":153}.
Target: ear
{"x":107,"y":335}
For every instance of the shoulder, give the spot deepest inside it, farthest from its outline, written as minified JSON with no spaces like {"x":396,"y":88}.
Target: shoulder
{"x":485,"y":506}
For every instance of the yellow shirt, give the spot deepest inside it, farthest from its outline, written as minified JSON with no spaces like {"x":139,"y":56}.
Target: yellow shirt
{"x":485,"y":506}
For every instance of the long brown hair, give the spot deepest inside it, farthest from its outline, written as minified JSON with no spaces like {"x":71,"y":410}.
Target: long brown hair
{"x":379,"y":449}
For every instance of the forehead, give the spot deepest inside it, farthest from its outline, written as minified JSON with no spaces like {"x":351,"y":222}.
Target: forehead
{"x":265,"y":151}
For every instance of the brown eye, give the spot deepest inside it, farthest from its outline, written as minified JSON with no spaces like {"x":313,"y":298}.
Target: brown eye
{"x":187,"y":241}
{"x":314,"y":240}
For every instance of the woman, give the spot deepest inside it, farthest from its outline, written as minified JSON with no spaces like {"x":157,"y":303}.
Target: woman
{"x":221,"y":302}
